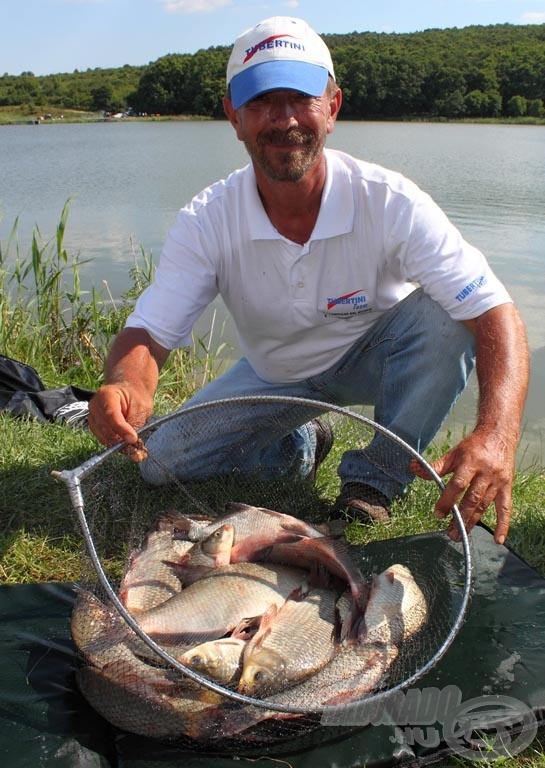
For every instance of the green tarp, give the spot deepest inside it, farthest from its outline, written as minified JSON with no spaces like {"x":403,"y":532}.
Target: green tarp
{"x":498,"y":654}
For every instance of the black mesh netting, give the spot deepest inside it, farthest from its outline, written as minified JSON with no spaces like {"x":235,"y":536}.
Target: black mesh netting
{"x":232,"y":610}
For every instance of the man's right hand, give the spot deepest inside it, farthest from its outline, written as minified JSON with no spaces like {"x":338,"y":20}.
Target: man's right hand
{"x":115,"y":413}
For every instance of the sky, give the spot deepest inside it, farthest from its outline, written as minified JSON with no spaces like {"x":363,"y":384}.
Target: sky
{"x":54,"y":36}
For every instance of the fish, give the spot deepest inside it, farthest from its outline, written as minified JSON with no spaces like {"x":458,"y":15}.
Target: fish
{"x":220,"y":660}
{"x":328,"y":552}
{"x":396,"y":610}
{"x":256,"y":528}
{"x":131,"y":694}
{"x":98,"y":631}
{"x":293,"y":642}
{"x":353,"y":674}
{"x":186,"y":527}
{"x":203,"y":556}
{"x":149,"y":578}
{"x":148,"y":701}
{"x":213,"y":606}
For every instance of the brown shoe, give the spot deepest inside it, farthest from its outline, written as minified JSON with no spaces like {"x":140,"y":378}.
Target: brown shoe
{"x":324,"y":443}
{"x":362,"y":502}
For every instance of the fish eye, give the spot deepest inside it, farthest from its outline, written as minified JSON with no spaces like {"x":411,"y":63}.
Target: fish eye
{"x":259,"y":675}
{"x":196,"y":659}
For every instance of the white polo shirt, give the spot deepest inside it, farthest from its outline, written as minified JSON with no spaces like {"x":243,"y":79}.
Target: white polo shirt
{"x":298,"y":308}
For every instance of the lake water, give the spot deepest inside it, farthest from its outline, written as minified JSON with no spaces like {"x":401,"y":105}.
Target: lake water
{"x":127,"y":181}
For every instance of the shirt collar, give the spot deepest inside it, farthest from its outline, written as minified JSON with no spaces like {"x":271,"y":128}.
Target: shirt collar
{"x":336,"y":215}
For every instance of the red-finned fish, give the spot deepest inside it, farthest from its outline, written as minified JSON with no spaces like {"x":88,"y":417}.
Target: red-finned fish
{"x":328,"y":552}
{"x":256,"y":528}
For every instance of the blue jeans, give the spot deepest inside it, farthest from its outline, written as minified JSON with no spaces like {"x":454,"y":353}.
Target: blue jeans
{"x":411,"y":366}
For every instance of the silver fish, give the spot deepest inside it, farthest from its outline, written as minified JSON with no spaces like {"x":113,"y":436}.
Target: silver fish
{"x":397,"y":607}
{"x":131,"y":694}
{"x":220,"y":659}
{"x":292,"y":643}
{"x":149,"y":579}
{"x":147,"y":701}
{"x":256,"y":528}
{"x":213,"y":606}
{"x":203,"y":556}
{"x":354,"y":673}
{"x":98,"y":631}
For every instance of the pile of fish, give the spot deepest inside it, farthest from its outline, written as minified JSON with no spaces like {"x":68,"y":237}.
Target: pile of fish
{"x":258,"y":601}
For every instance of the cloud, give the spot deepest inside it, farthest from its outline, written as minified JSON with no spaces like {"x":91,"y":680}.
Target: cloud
{"x":194,"y":6}
{"x":532,"y":17}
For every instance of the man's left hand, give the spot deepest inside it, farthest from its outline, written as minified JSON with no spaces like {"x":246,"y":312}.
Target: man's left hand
{"x":482,"y":470}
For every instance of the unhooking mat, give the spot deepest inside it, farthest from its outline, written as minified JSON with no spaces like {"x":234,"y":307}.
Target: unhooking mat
{"x":495,"y":666}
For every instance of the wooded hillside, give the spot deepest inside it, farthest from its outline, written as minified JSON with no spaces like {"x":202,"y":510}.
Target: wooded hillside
{"x":480,"y":71}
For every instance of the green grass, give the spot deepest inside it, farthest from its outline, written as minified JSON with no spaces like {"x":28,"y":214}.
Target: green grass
{"x":48,"y":322}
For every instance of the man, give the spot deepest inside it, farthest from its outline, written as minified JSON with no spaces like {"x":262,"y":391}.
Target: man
{"x":346,"y":284}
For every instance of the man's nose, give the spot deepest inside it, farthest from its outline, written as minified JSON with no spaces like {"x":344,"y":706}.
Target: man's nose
{"x":283,"y":110}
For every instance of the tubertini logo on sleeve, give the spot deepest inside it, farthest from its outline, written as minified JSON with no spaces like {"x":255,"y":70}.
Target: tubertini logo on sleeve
{"x":275,"y":41}
{"x":353,"y":303}
{"x":473,"y":286}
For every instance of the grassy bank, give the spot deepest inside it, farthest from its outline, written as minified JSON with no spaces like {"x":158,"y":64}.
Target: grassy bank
{"x":48,"y":322}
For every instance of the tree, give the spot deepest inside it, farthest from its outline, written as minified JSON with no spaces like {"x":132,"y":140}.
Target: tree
{"x":517,"y":106}
{"x":102,"y":98}
{"x":536,"y":108}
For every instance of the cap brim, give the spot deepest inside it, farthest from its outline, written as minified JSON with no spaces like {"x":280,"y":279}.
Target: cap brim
{"x":280,"y":74}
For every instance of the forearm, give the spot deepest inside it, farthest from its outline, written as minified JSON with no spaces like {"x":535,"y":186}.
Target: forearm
{"x":135,"y":360}
{"x":502,"y":366}
{"x":482,"y":465}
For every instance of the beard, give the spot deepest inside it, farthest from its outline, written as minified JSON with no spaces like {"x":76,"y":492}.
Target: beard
{"x":305,"y":147}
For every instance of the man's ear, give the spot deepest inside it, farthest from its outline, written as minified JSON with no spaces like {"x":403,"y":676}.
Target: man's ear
{"x":334,"y":108}
{"x":230,"y":112}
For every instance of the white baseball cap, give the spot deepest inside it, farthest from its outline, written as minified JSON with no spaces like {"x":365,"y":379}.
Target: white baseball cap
{"x":280,"y":52}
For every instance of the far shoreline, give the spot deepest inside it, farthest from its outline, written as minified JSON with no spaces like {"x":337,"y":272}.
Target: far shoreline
{"x":12,"y":116}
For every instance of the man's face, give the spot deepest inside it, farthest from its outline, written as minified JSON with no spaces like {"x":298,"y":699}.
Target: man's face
{"x":284,"y":131}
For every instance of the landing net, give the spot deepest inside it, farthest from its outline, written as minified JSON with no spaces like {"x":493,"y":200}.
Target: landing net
{"x":331,"y":617}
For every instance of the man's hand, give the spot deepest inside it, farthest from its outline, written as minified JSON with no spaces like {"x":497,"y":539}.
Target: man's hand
{"x":482,"y":470}
{"x":115,"y":413}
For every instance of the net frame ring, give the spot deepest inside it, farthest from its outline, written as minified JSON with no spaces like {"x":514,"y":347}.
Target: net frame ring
{"x":72,"y":479}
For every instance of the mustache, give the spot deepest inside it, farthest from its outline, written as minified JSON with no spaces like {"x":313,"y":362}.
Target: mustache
{"x":293,"y":136}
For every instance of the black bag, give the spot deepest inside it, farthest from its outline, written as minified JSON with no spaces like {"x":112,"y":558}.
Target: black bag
{"x":22,"y":393}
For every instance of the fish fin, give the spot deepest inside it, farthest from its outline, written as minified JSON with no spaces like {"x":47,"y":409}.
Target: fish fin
{"x":264,"y":625}
{"x":390,"y":575}
{"x":186,"y":572}
{"x":182,"y":564}
{"x":181,"y":528}
{"x":353,"y":628}
{"x":269,"y":616}
{"x":236,"y":506}
{"x":246,"y":628}
{"x":299,"y":593}
{"x":250,"y":548}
